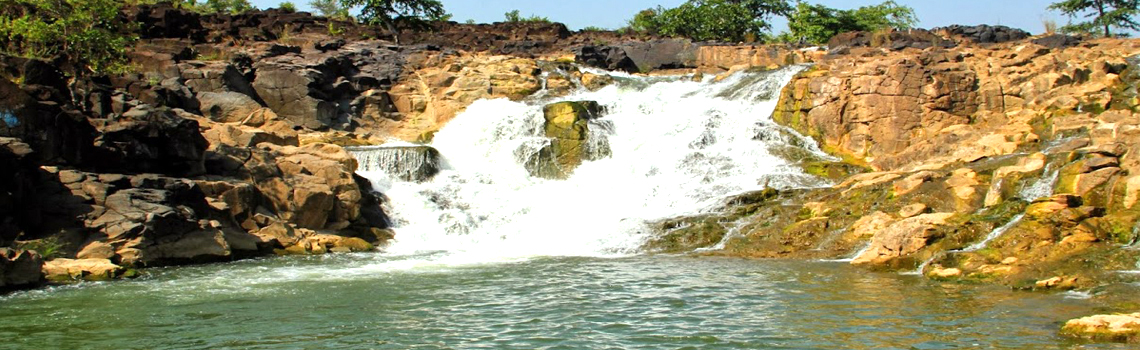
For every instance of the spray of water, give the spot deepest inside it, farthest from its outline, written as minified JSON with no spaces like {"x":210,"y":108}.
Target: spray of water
{"x":677,"y":147}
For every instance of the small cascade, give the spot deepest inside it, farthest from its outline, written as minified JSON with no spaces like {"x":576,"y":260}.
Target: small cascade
{"x":997,"y":232}
{"x":922,"y":267}
{"x":733,"y":231}
{"x":1043,"y":187}
{"x":406,"y":162}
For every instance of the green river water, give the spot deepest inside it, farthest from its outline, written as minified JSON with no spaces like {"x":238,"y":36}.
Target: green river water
{"x":379,"y":301}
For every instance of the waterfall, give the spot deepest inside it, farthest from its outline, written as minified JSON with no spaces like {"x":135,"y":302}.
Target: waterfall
{"x":677,"y":147}
{"x":405,"y":162}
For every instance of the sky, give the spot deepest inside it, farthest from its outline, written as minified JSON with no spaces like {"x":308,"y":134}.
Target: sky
{"x":576,"y":14}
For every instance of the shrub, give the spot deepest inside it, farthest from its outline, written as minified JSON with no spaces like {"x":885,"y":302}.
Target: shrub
{"x":287,"y":7}
{"x":86,"y":33}
{"x":515,"y":17}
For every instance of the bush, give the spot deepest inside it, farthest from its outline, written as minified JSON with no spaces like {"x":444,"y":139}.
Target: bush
{"x":87,"y":33}
{"x":287,"y":7}
{"x":515,"y":17}
{"x":331,"y":9}
{"x":816,"y":24}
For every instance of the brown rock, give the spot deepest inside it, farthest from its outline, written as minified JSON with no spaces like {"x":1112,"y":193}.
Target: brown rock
{"x":19,"y":268}
{"x":912,"y":210}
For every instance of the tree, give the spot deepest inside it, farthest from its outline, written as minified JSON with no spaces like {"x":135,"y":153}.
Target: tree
{"x":727,"y":20}
{"x":86,"y":33}
{"x":817,"y":23}
{"x":330,"y":9}
{"x":1105,"y":14}
{"x":287,"y":7}
{"x":392,"y":13}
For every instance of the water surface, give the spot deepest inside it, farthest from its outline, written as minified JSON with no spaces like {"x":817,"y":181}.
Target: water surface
{"x":379,"y":301}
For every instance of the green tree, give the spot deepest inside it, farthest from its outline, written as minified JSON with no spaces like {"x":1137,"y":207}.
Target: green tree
{"x":1103,"y":14}
{"x":816,"y":24}
{"x":287,"y":7}
{"x":331,"y":9}
{"x":395,"y":13}
{"x":87,"y":33}
{"x":726,"y":20}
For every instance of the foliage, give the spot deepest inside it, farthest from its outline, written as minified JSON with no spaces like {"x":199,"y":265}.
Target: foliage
{"x":85,"y":32}
{"x":1102,"y":15}
{"x":397,"y":12}
{"x":726,"y":20}
{"x":49,"y":248}
{"x":515,"y":17}
{"x":595,"y":29}
{"x":816,"y":24}
{"x":287,"y":7}
{"x":331,"y":9}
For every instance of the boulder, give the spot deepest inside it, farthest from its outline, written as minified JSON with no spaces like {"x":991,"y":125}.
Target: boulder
{"x":567,"y":126}
{"x":19,"y":269}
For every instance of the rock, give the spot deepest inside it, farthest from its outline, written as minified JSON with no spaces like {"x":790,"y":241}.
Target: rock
{"x":871,"y":224}
{"x":66,"y":270}
{"x":19,"y":269}
{"x":657,"y":54}
{"x":149,"y":140}
{"x":940,"y":272}
{"x":567,"y":126}
{"x":1044,"y":207}
{"x":984,"y":34}
{"x":1118,"y":327}
{"x":1057,"y":41}
{"x":287,"y":92}
{"x":605,"y":57}
{"x":902,"y":238}
{"x":911,"y":182}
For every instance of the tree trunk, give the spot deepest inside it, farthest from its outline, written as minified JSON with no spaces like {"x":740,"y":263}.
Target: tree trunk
{"x":1100,"y":9}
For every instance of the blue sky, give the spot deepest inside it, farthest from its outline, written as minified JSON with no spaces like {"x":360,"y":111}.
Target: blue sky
{"x":1025,"y":14}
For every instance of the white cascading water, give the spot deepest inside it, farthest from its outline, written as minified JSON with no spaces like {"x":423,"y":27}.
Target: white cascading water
{"x":678,"y":147}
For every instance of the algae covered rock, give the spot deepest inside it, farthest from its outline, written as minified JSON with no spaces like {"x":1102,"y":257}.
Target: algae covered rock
{"x":567,"y":125}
